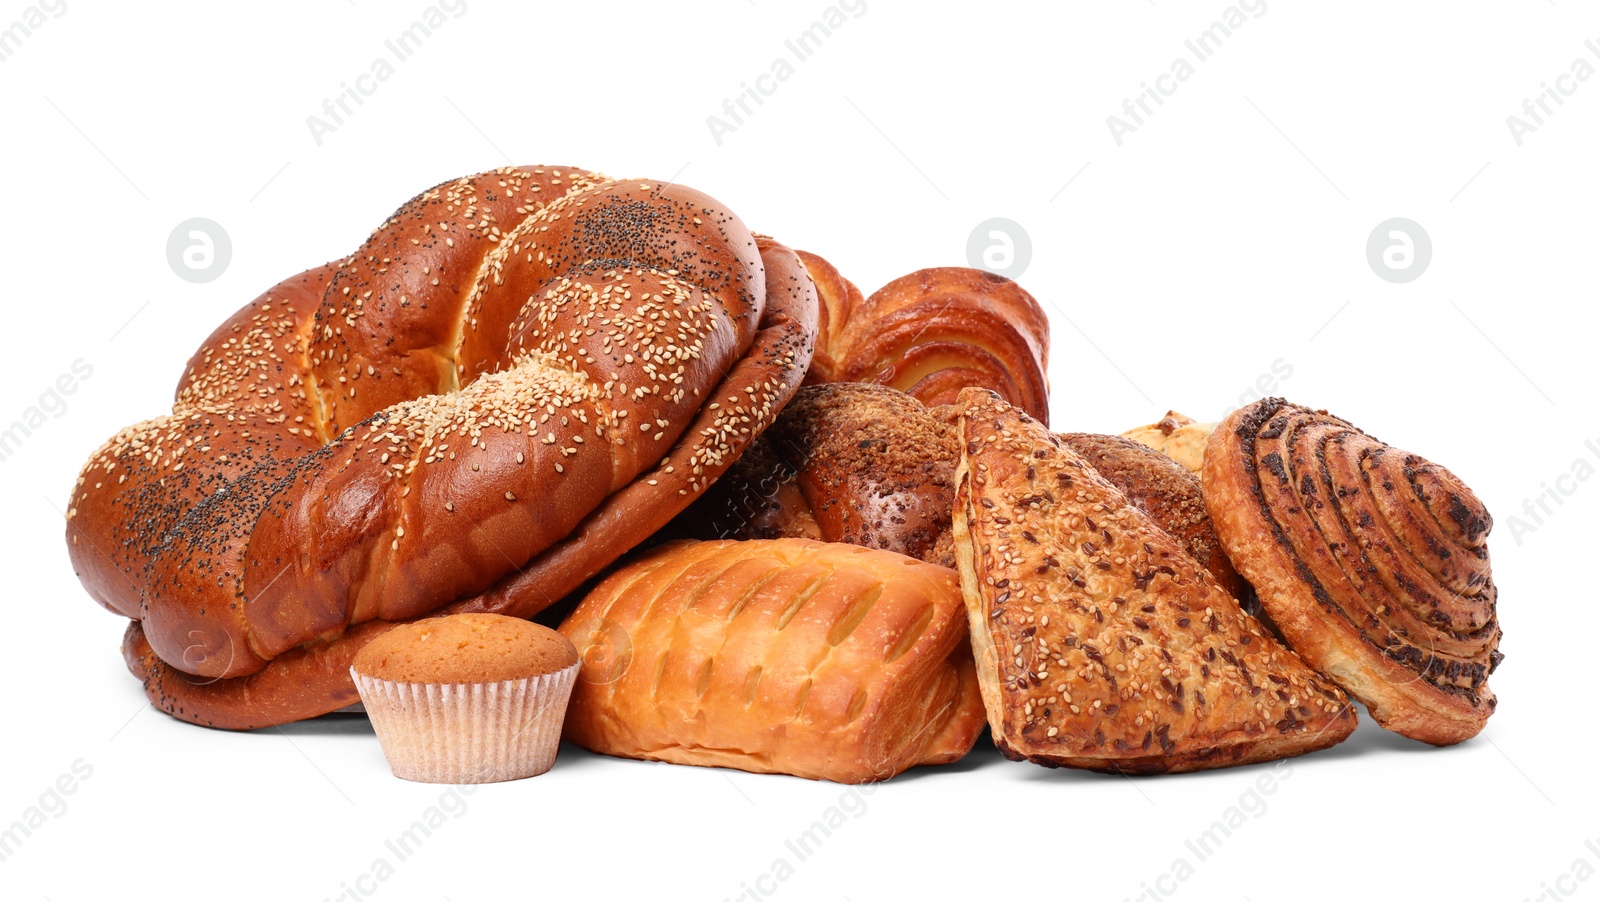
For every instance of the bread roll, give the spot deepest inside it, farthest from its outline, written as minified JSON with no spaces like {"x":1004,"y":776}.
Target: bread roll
{"x":869,"y":465}
{"x":932,"y":333}
{"x":826,"y":661}
{"x":845,"y":462}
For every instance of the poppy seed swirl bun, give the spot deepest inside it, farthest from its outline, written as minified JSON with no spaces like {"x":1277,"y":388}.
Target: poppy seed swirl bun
{"x":1373,"y":561}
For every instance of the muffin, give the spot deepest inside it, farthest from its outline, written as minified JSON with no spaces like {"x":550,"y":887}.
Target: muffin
{"x":468,"y":698}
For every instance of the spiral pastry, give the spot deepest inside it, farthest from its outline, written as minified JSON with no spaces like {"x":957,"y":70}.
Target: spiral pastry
{"x":1371,"y":560}
{"x":932,"y":333}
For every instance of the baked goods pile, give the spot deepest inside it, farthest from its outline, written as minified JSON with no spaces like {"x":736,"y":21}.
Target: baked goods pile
{"x":540,"y":385}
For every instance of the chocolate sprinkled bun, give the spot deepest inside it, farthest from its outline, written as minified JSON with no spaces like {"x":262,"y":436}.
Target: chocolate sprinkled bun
{"x":1371,"y":560}
{"x":845,"y":462}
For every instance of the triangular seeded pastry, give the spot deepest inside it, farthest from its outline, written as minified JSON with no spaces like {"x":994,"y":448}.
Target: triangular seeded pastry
{"x":1100,"y":643}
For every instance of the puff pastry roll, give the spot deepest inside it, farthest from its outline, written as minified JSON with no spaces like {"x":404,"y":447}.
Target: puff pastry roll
{"x":825,"y":661}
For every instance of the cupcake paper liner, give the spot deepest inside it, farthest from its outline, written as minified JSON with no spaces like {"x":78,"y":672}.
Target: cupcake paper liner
{"x":468,"y":732}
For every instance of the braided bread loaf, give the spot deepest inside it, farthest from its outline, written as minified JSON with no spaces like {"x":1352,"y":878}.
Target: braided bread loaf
{"x":932,"y":333}
{"x":520,"y":375}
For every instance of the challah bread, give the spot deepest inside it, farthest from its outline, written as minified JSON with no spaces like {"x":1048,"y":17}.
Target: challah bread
{"x":512,"y":359}
{"x":821,"y":660}
{"x":240,"y":404}
{"x":736,"y":414}
{"x":305,"y":682}
{"x":932,"y":333}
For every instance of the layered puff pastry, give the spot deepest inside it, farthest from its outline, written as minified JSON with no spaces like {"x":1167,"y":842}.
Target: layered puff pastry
{"x":1100,"y":643}
{"x":1371,"y":560}
{"x":825,"y":661}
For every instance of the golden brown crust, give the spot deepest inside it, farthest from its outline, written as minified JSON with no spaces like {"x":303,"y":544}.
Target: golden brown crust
{"x":379,"y":430}
{"x":1178,"y":437}
{"x":869,"y":465}
{"x":1166,"y":492}
{"x":837,"y":299}
{"x":1100,"y":642}
{"x":821,"y":660}
{"x":238,"y":407}
{"x":737,"y":412}
{"x":932,"y":333}
{"x":845,"y":462}
{"x":465,"y":648}
{"x":1371,"y":560}
{"x":309,"y":681}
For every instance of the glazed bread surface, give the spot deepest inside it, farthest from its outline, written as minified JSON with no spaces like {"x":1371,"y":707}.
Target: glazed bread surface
{"x":932,"y":333}
{"x":820,"y":660}
{"x":846,"y":462}
{"x":519,"y":376}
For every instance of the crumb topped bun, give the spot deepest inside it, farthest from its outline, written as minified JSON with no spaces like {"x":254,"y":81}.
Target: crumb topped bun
{"x":465,"y":648}
{"x":468,"y":698}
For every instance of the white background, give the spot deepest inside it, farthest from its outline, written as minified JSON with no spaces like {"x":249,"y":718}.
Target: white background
{"x":1224,"y":235}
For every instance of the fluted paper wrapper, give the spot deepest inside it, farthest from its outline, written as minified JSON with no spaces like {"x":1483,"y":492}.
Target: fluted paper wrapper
{"x":468,"y":732}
